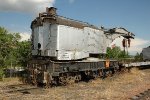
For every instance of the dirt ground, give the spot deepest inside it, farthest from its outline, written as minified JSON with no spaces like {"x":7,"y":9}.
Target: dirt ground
{"x":119,"y":87}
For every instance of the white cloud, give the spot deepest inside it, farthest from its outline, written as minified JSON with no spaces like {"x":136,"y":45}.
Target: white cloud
{"x":28,"y":6}
{"x":137,"y":44}
{"x":25,"y":36}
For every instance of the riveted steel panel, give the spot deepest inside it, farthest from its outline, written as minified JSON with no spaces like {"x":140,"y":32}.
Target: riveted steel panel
{"x":72,"y":43}
{"x":50,"y":39}
{"x":96,"y":40}
{"x":68,"y":43}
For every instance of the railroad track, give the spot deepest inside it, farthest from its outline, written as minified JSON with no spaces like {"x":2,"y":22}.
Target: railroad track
{"x":142,"y":96}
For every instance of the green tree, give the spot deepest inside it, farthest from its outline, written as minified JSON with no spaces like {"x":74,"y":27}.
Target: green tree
{"x":116,"y":53}
{"x":6,"y":46}
{"x":138,"y":57}
{"x":24,"y":52}
{"x":13,"y":52}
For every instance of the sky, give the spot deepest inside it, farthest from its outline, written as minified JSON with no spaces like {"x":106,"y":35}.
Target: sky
{"x":134,"y":15}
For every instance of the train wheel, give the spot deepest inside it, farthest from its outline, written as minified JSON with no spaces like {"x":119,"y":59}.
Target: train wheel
{"x":100,"y":73}
{"x":77,"y":78}
{"x":70,"y":79}
{"x":62,"y":80}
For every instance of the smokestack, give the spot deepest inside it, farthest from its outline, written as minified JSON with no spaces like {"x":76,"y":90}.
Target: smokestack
{"x":51,"y":11}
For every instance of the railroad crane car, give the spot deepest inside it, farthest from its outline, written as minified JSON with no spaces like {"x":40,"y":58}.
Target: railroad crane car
{"x":146,"y":54}
{"x":65,"y":50}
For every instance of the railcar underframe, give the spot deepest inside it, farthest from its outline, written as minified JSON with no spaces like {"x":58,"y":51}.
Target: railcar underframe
{"x":47,"y":72}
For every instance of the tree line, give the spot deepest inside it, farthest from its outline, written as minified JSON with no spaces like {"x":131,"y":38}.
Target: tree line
{"x":13,"y":52}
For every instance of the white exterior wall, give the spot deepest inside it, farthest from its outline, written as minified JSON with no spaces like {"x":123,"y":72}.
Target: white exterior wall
{"x":46,"y":35}
{"x":68,"y":43}
{"x":37,"y":32}
{"x":96,"y":41}
{"x":50,"y":39}
{"x":72,"y":43}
